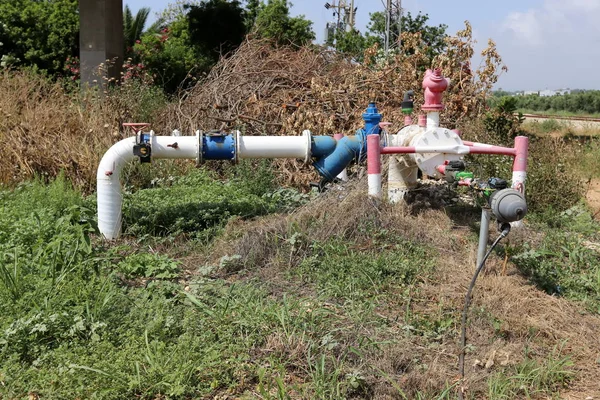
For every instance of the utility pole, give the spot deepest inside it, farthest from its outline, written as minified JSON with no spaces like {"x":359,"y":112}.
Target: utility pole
{"x":345,"y":21}
{"x":352,"y":12}
{"x":393,"y":10}
{"x":399,"y":22}
{"x":100,"y":39}
{"x":388,"y":17}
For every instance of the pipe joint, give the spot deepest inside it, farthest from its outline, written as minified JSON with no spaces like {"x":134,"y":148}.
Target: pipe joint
{"x":348,"y":148}
{"x":218,"y":146}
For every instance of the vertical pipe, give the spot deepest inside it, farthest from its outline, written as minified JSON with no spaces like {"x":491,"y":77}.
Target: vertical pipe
{"x":520,"y":163}
{"x":374,"y":165}
{"x":407,"y":120}
{"x":343,"y":176}
{"x":433,"y":119}
{"x":422,"y":120}
{"x":484,"y":234}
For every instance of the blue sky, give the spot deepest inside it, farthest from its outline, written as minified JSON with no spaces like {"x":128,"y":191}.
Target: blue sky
{"x":546,"y":44}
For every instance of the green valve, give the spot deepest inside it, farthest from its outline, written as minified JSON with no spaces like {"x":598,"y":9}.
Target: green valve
{"x":408,"y":102}
{"x":463,"y":175}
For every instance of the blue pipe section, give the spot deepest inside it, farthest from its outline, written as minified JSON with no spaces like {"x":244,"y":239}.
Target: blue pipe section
{"x":321,"y":146}
{"x":348,"y":149}
{"x":218,"y":147}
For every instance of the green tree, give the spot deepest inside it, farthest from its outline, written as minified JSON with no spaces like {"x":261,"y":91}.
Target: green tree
{"x":39,"y":33}
{"x":169,"y":58}
{"x":252,"y":9}
{"x":216,"y":27}
{"x":433,"y":37}
{"x":352,"y":43}
{"x":273,"y":21}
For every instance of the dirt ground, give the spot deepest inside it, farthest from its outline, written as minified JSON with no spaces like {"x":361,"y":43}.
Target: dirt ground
{"x":593,"y":197}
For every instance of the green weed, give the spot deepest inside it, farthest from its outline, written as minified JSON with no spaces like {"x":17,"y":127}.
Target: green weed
{"x":532,"y":378}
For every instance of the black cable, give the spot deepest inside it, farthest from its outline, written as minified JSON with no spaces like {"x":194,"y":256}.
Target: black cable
{"x":463,"y":328}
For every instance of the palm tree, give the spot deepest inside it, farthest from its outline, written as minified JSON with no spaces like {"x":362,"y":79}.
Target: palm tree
{"x":134,"y":27}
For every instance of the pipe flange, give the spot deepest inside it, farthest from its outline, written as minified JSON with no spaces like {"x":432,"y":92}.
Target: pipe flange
{"x":199,"y":157}
{"x":235,"y":135}
{"x":308,"y":135}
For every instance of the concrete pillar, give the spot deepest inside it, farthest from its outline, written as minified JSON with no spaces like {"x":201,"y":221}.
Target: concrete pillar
{"x":100,"y":38}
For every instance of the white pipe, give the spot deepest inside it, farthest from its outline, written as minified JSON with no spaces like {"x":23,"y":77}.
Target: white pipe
{"x":343,"y":176}
{"x":374,"y":184}
{"x":110,"y":199}
{"x":453,"y":149}
{"x":186,"y":147}
{"x":273,"y":147}
{"x":433,"y":119}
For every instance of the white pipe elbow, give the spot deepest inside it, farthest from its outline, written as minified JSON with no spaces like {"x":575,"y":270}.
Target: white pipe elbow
{"x":108,"y":176}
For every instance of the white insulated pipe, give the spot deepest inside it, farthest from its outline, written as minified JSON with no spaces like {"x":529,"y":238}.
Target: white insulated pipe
{"x":433,"y":119}
{"x":402,"y":177}
{"x":110,"y":198}
{"x":273,"y":147}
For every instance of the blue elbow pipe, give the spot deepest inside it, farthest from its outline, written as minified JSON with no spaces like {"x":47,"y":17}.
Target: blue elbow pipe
{"x":348,"y":149}
{"x":321,"y":146}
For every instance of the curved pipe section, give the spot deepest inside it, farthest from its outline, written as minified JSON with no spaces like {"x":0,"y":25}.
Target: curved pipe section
{"x":110,"y":198}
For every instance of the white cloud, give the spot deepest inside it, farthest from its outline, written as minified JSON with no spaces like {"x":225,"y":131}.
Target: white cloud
{"x":554,"y":19}
{"x":551,"y":45}
{"x":526,"y":26}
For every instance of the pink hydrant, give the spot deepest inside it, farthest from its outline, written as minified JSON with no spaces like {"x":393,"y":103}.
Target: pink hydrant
{"x":434,"y":84}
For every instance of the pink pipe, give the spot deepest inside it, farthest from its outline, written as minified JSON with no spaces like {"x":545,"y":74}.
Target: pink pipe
{"x":498,"y":150}
{"x":520,"y":163}
{"x":338,"y":136}
{"x":374,"y":165}
{"x":407,"y":120}
{"x":398,"y":150}
{"x":521,"y":153}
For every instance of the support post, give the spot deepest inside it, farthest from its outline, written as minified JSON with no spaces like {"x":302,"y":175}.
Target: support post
{"x":484,"y":234}
{"x":374,"y":166}
{"x":100,"y":39}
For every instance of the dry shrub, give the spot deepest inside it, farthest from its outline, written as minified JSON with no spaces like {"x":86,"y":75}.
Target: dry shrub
{"x":262,"y":89}
{"x":46,"y":128}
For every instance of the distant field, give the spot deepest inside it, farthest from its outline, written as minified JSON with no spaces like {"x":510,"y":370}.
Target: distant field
{"x":562,"y":125}
{"x":559,"y":113}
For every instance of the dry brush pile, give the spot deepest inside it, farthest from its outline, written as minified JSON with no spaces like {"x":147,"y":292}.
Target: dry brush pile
{"x":260,"y":89}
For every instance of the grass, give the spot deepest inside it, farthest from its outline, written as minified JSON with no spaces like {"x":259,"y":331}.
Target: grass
{"x":566,"y":262}
{"x":227,"y":288}
{"x":81,"y":318}
{"x":532,"y":378}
